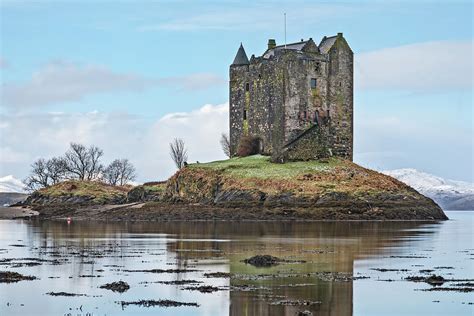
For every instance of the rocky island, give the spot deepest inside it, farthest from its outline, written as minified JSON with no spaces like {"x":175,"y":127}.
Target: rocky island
{"x":248,"y":188}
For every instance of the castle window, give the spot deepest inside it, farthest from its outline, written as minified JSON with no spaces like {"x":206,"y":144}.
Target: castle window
{"x":305,"y":115}
{"x":313,"y":83}
{"x":247,"y":87}
{"x":245,"y":114}
{"x":318,"y":68}
{"x":328,"y":114}
{"x":316,"y":117}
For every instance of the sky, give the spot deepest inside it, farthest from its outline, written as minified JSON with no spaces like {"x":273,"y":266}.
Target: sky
{"x":129,"y":76}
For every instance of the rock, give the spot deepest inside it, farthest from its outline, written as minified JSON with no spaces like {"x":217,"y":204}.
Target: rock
{"x":119,"y":286}
{"x":136,"y":194}
{"x":64,"y":294}
{"x":161,"y":303}
{"x":263,"y":261}
{"x":217,"y":275}
{"x":435,"y":280}
{"x":13,"y":277}
{"x":432,"y":280}
{"x":203,"y":288}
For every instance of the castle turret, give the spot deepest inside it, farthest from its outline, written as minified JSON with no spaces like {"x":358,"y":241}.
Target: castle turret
{"x":241,"y":57}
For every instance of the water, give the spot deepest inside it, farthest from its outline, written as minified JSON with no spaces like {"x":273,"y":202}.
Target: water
{"x":332,"y":251}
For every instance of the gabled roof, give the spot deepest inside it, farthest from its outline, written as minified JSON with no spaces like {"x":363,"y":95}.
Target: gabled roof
{"x":241,"y":57}
{"x":327,"y":43}
{"x":293,"y":46}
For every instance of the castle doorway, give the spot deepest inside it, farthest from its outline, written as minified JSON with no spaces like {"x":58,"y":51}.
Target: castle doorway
{"x":260,"y":146}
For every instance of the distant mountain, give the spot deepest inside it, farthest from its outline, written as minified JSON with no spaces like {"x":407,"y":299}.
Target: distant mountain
{"x":11,"y":191}
{"x":11,"y":184}
{"x":449,"y":194}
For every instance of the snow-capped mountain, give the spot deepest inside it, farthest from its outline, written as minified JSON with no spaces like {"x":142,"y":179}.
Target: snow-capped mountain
{"x":449,"y":194}
{"x":11,"y":184}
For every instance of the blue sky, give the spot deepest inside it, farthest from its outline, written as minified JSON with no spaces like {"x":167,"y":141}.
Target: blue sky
{"x":115,"y":73}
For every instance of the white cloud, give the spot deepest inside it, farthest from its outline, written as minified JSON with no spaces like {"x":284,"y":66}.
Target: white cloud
{"x":381,"y":142}
{"x":439,"y":65}
{"x":120,"y":135}
{"x":58,"y":82}
{"x":11,"y":184}
{"x":405,"y":141}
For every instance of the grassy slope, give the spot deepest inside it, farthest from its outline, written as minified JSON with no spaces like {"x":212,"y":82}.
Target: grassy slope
{"x":100,"y":191}
{"x":301,"y":178}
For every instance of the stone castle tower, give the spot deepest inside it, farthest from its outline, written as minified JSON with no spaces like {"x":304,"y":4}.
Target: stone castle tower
{"x":297,"y":99}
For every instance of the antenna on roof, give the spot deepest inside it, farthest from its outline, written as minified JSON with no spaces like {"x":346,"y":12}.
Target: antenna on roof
{"x":285,"y":28}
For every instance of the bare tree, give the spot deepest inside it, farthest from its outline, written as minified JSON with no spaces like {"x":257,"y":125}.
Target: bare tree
{"x":38,"y":177}
{"x":83,"y":163}
{"x":178,"y":152}
{"x":45,"y":173}
{"x":225,"y":144}
{"x":56,"y":169}
{"x":119,"y":172}
{"x":95,"y":168}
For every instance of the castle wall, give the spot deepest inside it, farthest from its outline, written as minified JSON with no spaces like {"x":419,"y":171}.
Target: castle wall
{"x":261,"y":103}
{"x":311,"y":145}
{"x":341,"y":85}
{"x":303,"y":102}
{"x":274,"y":99}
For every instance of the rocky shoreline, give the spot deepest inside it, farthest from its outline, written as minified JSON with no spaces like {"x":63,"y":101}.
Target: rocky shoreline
{"x":241,"y":189}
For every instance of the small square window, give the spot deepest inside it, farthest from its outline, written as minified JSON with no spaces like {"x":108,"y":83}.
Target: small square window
{"x":247,"y":87}
{"x":313,"y":83}
{"x":318,"y":68}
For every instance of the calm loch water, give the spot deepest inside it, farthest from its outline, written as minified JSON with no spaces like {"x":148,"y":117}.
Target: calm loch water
{"x":333,"y":268}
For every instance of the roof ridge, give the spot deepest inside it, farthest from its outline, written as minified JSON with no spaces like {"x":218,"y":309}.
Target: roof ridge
{"x":283,"y":45}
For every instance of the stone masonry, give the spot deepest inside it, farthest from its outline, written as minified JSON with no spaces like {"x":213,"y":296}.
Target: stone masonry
{"x":296,"y":98}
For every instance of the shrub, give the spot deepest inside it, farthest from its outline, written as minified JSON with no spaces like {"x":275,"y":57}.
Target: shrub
{"x":248,"y":145}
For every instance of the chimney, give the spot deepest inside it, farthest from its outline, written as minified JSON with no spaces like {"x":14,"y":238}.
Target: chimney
{"x":339,"y":35}
{"x":271,"y":43}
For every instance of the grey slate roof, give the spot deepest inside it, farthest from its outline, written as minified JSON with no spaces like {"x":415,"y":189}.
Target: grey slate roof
{"x":326,"y":44}
{"x":241,"y":57}
{"x":292,"y":46}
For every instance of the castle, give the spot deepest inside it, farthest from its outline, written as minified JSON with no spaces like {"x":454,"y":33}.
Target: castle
{"x":296,"y":99}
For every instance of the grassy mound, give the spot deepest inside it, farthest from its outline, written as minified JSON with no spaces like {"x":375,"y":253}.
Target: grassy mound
{"x":300,"y":178}
{"x":332,"y":189}
{"x":74,"y":191}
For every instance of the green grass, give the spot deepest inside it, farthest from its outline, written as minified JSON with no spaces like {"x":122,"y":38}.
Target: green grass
{"x":259,"y":166}
{"x":155,"y":187}
{"x":83,"y":188}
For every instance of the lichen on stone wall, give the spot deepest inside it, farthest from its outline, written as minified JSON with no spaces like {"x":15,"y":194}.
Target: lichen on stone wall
{"x":279,"y":103}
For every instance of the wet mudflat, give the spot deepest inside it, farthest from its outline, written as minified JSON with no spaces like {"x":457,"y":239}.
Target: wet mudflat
{"x":219,"y":268}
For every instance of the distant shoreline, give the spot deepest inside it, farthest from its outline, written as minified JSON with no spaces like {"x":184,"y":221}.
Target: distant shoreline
{"x":17,"y":212}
